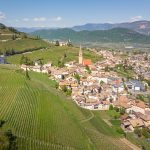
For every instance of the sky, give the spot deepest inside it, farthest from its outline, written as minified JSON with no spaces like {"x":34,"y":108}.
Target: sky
{"x":68,"y":13}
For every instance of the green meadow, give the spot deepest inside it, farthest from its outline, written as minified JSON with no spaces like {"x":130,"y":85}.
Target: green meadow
{"x":54,"y":54}
{"x":22,"y":44}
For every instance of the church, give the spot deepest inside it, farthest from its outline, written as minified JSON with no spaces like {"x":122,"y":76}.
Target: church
{"x":82,"y":61}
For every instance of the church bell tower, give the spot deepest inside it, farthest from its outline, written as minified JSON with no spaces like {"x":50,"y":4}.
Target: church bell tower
{"x":80,"y":56}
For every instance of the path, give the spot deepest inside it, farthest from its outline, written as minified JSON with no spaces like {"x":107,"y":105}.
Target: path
{"x":85,"y":120}
{"x":107,"y":122}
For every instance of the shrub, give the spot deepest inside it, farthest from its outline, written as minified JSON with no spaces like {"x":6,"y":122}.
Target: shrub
{"x":111,"y":107}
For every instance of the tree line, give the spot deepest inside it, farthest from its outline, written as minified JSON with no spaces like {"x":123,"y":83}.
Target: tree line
{"x":9,"y":52}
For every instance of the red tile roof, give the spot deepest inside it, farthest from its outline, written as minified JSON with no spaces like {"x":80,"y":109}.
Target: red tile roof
{"x":87,"y":62}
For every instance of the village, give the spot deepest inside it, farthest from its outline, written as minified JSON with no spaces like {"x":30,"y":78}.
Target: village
{"x":95,"y":86}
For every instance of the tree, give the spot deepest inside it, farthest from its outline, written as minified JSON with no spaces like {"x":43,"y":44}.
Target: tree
{"x":145,"y":133}
{"x":65,"y":55}
{"x":57,"y":43}
{"x":77,"y":77}
{"x":60,"y":63}
{"x":40,"y":62}
{"x":12,"y":140}
{"x":22,"y":60}
{"x":106,"y":69}
{"x":24,"y":36}
{"x":64,"y":88}
{"x":111,"y":107}
{"x":138,"y":131}
{"x":146,"y":87}
{"x":27,"y":74}
{"x":101,"y":83}
{"x":88,"y":69}
{"x":13,"y":37}
{"x":122,"y":111}
{"x":116,"y":109}
{"x":56,"y":85}
{"x":146,"y":58}
{"x":68,"y":92}
{"x":69,"y":44}
{"x":1,"y":123}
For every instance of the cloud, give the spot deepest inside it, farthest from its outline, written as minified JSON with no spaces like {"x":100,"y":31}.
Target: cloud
{"x":57,"y":19}
{"x":26,"y":19}
{"x":17,"y":20}
{"x":2,"y":16}
{"x":136,"y":18}
{"x":39,"y":19}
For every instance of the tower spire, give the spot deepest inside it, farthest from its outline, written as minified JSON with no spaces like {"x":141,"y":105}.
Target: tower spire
{"x":80,"y":55}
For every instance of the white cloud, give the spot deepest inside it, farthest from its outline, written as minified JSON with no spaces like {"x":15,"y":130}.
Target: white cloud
{"x":57,"y":18}
{"x":17,"y":20}
{"x":136,"y":18}
{"x":26,"y":19}
{"x":40,"y":19}
{"x":2,"y":15}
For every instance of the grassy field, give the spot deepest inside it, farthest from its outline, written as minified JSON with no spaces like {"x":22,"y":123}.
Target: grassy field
{"x":44,"y":119}
{"x":54,"y":54}
{"x":20,"y":45}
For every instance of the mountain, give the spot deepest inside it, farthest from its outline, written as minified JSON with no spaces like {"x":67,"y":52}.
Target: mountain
{"x":142,"y":27}
{"x":93,"y":26}
{"x":113,"y":35}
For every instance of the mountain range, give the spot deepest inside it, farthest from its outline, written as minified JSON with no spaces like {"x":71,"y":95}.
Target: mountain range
{"x":142,"y":27}
{"x":114,"y":35}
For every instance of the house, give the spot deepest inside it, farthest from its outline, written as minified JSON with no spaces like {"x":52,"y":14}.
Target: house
{"x":2,"y":59}
{"x":104,"y":105}
{"x":48,"y":65}
{"x":25,"y":67}
{"x":37,"y":68}
{"x":122,"y":101}
{"x":136,"y":123}
{"x":136,"y":106}
{"x":130,"y":124}
{"x":70,"y":64}
{"x":62,"y":43}
{"x":146,"y":120}
{"x":118,"y":88}
{"x":135,"y":85}
{"x":126,"y":125}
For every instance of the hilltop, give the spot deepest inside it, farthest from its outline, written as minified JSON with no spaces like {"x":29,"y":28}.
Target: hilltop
{"x":115,"y":35}
{"x":12,"y":41}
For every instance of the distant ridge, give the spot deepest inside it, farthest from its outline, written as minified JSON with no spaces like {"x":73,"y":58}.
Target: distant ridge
{"x":113,"y":35}
{"x":142,"y":27}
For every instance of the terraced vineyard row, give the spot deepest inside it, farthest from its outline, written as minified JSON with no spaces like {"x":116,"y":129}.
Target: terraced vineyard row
{"x":43,"y":119}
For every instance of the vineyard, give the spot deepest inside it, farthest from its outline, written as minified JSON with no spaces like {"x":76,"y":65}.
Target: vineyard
{"x":44,"y":119}
{"x":55,"y":53}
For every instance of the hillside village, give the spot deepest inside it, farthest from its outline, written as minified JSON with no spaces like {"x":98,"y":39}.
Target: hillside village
{"x":99,"y":87}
